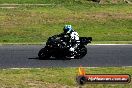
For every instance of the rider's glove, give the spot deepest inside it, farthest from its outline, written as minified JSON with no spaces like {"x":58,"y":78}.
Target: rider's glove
{"x":71,"y":49}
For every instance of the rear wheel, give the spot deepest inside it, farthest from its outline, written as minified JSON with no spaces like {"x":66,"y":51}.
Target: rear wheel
{"x":81,"y":80}
{"x":43,"y":53}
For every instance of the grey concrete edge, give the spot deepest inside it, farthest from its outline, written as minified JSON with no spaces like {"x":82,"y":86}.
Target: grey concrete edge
{"x":1,"y":44}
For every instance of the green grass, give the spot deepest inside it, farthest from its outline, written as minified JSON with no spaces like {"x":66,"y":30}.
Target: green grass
{"x":56,"y":77}
{"x":34,"y":24}
{"x":42,"y":1}
{"x":57,"y":1}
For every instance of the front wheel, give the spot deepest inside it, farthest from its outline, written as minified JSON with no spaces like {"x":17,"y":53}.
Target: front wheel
{"x":43,"y":53}
{"x":81,"y":52}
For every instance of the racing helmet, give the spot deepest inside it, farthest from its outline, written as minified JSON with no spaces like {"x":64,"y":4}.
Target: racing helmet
{"x":67,"y":28}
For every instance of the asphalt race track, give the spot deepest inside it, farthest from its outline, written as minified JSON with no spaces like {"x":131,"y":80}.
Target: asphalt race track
{"x":25,"y":56}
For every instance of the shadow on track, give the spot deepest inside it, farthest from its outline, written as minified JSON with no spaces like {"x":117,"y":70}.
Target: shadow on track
{"x":37,"y":58}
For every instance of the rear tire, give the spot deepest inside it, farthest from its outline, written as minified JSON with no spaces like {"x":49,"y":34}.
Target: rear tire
{"x":43,"y":53}
{"x":81,"y":80}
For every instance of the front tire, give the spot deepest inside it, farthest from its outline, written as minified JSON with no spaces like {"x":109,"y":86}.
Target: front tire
{"x":43,"y":53}
{"x":81,"y":52}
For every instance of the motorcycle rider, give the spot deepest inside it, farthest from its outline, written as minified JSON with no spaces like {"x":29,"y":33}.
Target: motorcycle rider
{"x":71,"y":37}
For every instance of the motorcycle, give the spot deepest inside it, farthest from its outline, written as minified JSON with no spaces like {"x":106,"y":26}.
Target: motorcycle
{"x":56,"y":47}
